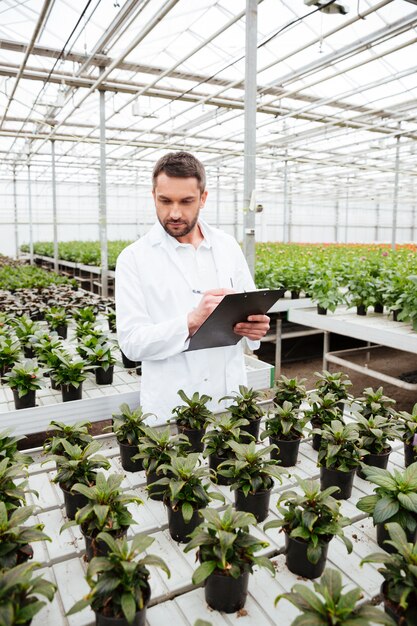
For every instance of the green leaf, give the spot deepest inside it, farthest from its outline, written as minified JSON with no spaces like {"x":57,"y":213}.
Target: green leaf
{"x":79,"y":606}
{"x":333,"y":581}
{"x":408,"y":501}
{"x":263,"y":561}
{"x":156,"y":561}
{"x":203,"y":571}
{"x":128,"y":605}
{"x":385,"y":509}
{"x":314,"y":553}
{"x":311,"y":598}
{"x":187,"y":511}
{"x":309,"y":619}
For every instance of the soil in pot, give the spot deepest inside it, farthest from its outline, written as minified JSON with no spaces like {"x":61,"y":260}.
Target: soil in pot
{"x":194,"y":435}
{"x":214,"y":462}
{"x":73,"y":502}
{"x":97,"y":547}
{"x":256,"y":503}
{"x":69,"y":392}
{"x":227,"y":594}
{"x":126,"y":452}
{"x":62,"y":331}
{"x":104,"y":377}
{"x":252,"y":429}
{"x":410,"y":454}
{"x":178,"y":528}
{"x":154,"y":494}
{"x":287,"y":452}
{"x":343,"y":480}
{"x":321,"y":310}
{"x":375,"y":460}
{"x":382,"y":535}
{"x":25,"y":402}
{"x":297,"y":561}
{"x":128,"y":363}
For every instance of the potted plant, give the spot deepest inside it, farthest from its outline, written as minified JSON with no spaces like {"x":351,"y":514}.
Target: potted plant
{"x":156,"y":447}
{"x":329,"y":605}
{"x":394,"y":500}
{"x":45,"y":345}
{"x":323,"y":410}
{"x":252,"y":476}
{"x":375,"y":403}
{"x":77,"y":465}
{"x":85,"y":314}
{"x":8,"y":448}
{"x":245,"y":406}
{"x":337,"y":384}
{"x":284,"y":427}
{"x":20,"y":591}
{"x":110,"y":313}
{"x":185,"y":494}
{"x":399,"y":588}
{"x":10,"y":353}
{"x":325,"y":291}
{"x":360,"y":291}
{"x":191,"y":418}
{"x":24,"y":379}
{"x":226,"y":551}
{"x":374,"y":432}
{"x":128,"y":426}
{"x":13,"y":489}
{"x":102,"y":358}
{"x":310,"y":520}
{"x":105,"y":511}
{"x":407,"y":424}
{"x":217,"y":439}
{"x":15,"y":538}
{"x":119,"y":582}
{"x":76,"y":434}
{"x":339,"y":457}
{"x":57,"y":319}
{"x":69,"y":375}
{"x":290,"y":390}
{"x":25,"y":328}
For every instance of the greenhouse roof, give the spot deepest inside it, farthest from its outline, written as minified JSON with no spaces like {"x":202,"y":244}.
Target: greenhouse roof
{"x":336,"y":92}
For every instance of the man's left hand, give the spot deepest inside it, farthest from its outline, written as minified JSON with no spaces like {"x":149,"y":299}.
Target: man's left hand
{"x":254,"y":328}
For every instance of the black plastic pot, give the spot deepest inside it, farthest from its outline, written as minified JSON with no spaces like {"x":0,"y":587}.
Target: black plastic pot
{"x":378,"y":307}
{"x":29,"y":352}
{"x":375,"y":460}
{"x":297,"y":561}
{"x":73,"y":502}
{"x":343,"y":480}
{"x":112,"y":325}
{"x":126,"y":452}
{"x":361,"y":309}
{"x":62,"y":331}
{"x":178,"y":528}
{"x":214,"y":462}
{"x":256,"y":503}
{"x":252,"y":429}
{"x":227,"y":594}
{"x":194,"y":435}
{"x":70,"y":393}
{"x":54,"y":385}
{"x":127,"y":362}
{"x":152,"y":477}
{"x":104,"y":377}
{"x":295,"y":295}
{"x":382,"y":535}
{"x":393,"y":610}
{"x":395,"y":313}
{"x":97,"y":547}
{"x":410,"y":454}
{"x":25,"y":402}
{"x":321,"y":310}
{"x":139,"y":368}
{"x":139,"y":620}
{"x":287,"y":452}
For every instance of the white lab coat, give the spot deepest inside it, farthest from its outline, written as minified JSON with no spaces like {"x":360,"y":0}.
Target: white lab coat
{"x":153,"y":298}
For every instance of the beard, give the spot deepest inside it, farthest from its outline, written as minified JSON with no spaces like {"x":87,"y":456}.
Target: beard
{"x":179,"y":228}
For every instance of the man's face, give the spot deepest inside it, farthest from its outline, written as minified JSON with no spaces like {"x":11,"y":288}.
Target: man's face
{"x":178,"y":202}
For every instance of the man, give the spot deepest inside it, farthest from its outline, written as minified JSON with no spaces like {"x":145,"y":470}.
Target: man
{"x":168,"y":283}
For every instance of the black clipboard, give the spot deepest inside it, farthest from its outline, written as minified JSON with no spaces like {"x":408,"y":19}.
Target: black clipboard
{"x":217,"y":330}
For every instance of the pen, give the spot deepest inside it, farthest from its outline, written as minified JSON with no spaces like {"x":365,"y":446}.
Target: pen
{"x":197,"y":291}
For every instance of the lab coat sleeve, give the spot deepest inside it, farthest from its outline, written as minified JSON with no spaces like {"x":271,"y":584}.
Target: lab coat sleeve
{"x":140,"y":338}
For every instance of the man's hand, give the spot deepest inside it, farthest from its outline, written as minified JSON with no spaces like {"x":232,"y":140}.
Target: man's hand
{"x":205,"y":307}
{"x":254,"y":328}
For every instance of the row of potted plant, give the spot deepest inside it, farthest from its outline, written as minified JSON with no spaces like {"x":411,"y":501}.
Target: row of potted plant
{"x":21,"y":587}
{"x":84,"y":252}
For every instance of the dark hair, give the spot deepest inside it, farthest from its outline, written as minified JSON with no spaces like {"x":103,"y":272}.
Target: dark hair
{"x":180,"y":165}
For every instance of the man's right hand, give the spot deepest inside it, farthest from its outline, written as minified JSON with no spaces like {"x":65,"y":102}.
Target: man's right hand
{"x":205,"y":307}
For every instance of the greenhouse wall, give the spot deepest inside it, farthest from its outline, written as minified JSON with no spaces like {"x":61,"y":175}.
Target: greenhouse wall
{"x":310,"y":217}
